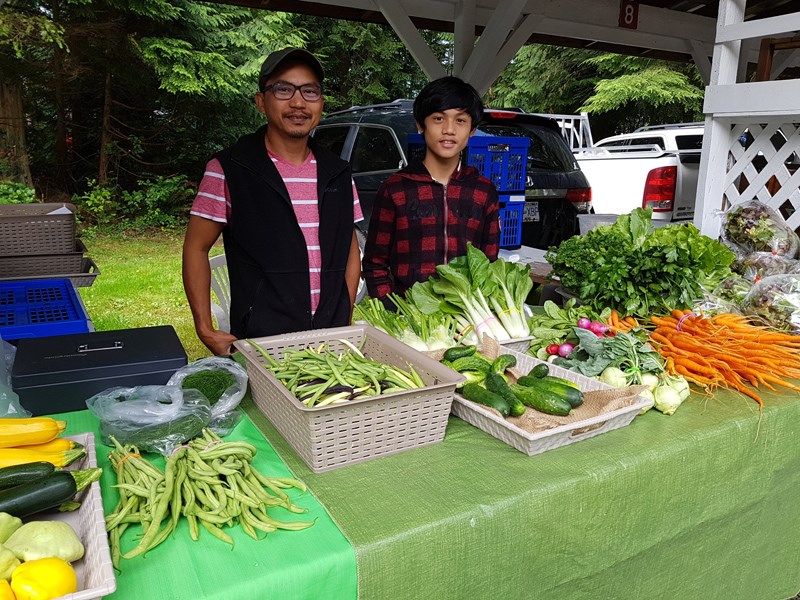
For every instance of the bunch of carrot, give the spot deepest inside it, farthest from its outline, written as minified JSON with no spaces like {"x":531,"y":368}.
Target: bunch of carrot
{"x":617,"y":323}
{"x":725,"y":350}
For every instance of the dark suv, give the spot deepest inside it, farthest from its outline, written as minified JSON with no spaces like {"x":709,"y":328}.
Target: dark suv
{"x":374,"y":139}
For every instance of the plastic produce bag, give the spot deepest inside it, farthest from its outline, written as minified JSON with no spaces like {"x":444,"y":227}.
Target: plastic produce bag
{"x":223,"y":381}
{"x":776,"y":299}
{"x":754,"y":226}
{"x":9,"y":401}
{"x":154,"y":418}
{"x":758,"y":265}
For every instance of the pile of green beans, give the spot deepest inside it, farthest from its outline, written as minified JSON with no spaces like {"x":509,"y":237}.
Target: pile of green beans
{"x":209,"y":481}
{"x":318,"y":376}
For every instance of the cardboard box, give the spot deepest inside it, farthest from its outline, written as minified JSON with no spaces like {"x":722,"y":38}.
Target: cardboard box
{"x":59,"y":373}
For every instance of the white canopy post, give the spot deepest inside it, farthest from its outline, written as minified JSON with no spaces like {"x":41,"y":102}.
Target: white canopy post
{"x":398,"y":18}
{"x":464,"y":34}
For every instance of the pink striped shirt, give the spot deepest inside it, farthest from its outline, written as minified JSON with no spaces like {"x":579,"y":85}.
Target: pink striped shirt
{"x":213,"y":202}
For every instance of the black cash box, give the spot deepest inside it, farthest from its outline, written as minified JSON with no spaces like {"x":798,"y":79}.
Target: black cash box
{"x":59,"y":373}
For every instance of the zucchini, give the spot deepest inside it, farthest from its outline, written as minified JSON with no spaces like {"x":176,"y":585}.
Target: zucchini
{"x":555,"y":386}
{"x":503,"y":362}
{"x":539,"y":371}
{"x":46,"y":493}
{"x":19,"y":474}
{"x":476,"y":393}
{"x":471,"y":363}
{"x":495,"y":383}
{"x":541,"y":400}
{"x":456,"y":352}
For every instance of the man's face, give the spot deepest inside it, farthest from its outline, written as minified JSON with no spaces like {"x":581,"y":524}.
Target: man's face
{"x":446,"y":133}
{"x":296,"y":116}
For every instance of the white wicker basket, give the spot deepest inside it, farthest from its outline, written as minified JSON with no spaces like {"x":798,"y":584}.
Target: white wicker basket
{"x":95,"y":572}
{"x":572,"y":430}
{"x":342,"y":434}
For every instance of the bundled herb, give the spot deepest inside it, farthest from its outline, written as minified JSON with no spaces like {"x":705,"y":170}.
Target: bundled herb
{"x":637,"y":271}
{"x":211,"y":383}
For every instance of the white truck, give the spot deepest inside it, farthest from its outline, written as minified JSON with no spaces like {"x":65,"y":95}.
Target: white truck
{"x":654,"y":166}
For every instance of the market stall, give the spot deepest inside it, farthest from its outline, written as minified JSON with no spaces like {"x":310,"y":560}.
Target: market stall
{"x":681,"y":503}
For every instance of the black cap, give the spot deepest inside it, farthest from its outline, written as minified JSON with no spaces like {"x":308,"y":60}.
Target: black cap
{"x":297,"y":54}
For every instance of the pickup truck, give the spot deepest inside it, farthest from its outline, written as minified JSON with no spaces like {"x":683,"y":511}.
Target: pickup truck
{"x":654,"y":166}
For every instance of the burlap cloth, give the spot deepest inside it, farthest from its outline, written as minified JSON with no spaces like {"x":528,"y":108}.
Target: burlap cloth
{"x":595,"y":401}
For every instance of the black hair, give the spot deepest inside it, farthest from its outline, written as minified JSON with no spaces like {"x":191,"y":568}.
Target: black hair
{"x":445,"y":93}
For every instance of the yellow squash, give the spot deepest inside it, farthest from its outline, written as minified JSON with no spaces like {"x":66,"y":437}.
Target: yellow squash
{"x":10,"y":457}
{"x":33,"y":430}
{"x":58,"y":444}
{"x":43,"y":579}
{"x":5,"y":590}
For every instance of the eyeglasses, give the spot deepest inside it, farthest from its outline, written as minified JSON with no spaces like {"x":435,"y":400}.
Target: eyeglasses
{"x":283,"y":90}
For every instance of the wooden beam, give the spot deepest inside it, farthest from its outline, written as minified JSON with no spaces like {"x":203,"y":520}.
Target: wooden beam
{"x":493,"y":37}
{"x":700,"y":57}
{"x":398,"y":18}
{"x":507,"y":53}
{"x":759,"y":28}
{"x":464,"y":34}
{"x":762,"y":98}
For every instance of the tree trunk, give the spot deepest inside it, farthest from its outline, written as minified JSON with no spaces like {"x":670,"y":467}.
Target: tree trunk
{"x":62,"y":160}
{"x":105,"y":138}
{"x":13,"y":152}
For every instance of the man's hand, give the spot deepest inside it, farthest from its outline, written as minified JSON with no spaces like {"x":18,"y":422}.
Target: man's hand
{"x":219,"y":342}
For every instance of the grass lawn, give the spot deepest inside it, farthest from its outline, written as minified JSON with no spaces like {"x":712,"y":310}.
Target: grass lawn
{"x":140,"y":286}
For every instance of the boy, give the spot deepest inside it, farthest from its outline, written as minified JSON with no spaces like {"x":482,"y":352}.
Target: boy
{"x":425,"y":214}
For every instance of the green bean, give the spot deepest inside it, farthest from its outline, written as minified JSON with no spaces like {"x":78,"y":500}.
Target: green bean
{"x":193,"y":530}
{"x":118,"y":516}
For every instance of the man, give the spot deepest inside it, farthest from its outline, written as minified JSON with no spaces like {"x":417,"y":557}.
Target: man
{"x":286,"y":211}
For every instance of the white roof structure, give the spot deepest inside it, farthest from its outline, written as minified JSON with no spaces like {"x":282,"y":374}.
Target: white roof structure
{"x":488,"y":34}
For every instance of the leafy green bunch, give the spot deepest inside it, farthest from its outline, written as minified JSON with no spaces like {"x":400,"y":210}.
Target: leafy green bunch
{"x":638,"y":271}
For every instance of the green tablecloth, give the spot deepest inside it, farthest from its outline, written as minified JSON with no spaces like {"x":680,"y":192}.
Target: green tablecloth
{"x":702,"y":504}
{"x":304,"y":565}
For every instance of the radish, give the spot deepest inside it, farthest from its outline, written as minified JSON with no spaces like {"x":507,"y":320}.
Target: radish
{"x":598,"y":327}
{"x":584,"y":323}
{"x":565,"y":349}
{"x":552,"y":349}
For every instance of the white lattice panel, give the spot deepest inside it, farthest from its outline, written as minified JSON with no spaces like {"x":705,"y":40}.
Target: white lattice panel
{"x":765,"y":167}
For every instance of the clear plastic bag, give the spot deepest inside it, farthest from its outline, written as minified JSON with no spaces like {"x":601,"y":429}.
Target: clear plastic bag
{"x":754,"y":227}
{"x":776,"y":299}
{"x":9,"y":401}
{"x":758,"y":265}
{"x":154,"y":418}
{"x":224,"y":415}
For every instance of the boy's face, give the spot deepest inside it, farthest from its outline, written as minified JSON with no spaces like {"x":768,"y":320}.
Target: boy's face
{"x":446,"y":133}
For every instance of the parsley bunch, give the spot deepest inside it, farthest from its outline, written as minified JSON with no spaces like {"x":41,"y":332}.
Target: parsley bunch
{"x":637,"y":271}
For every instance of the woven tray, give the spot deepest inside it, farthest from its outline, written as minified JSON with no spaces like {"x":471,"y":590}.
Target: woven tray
{"x":30,"y":229}
{"x":37,"y":265}
{"x":337,"y":435}
{"x":597,"y":415}
{"x":95,"y":572}
{"x":83,"y":278}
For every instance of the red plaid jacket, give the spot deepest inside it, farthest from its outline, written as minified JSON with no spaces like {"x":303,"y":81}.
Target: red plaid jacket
{"x":414,"y":227}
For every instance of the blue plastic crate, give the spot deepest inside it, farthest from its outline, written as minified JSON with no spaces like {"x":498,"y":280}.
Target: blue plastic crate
{"x":503,"y":160}
{"x":39,"y":308}
{"x":511,"y":224}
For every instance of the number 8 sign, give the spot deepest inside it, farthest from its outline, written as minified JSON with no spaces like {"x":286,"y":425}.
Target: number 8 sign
{"x":628,"y":14}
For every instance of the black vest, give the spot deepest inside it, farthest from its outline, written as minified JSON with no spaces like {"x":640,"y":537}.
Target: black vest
{"x":265,"y":249}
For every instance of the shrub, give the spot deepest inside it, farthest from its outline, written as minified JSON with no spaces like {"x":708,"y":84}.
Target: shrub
{"x":159,"y":202}
{"x":12,"y":192}
{"x":98,"y":204}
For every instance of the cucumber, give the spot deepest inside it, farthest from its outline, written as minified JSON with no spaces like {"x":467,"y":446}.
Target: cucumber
{"x":495,"y":383}
{"x":555,"y":386}
{"x":471,"y":363}
{"x":456,"y":352}
{"x":541,"y":400}
{"x":539,"y":371}
{"x":19,"y":474}
{"x":46,"y":493}
{"x":503,"y":362}
{"x":476,"y":393}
